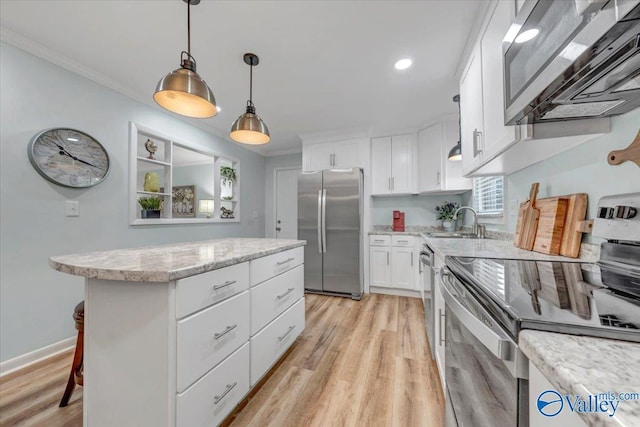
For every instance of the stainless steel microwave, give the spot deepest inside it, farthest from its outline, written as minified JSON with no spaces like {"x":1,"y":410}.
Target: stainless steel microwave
{"x":572,"y":59}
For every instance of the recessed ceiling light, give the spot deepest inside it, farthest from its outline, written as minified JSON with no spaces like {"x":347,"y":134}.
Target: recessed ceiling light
{"x":527,"y":35}
{"x":403,"y":64}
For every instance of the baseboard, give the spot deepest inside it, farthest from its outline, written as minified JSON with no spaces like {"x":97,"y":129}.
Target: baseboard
{"x":35,"y":356}
{"x":393,"y":291}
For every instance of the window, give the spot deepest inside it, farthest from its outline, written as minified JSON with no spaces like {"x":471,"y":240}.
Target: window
{"x":488,"y":195}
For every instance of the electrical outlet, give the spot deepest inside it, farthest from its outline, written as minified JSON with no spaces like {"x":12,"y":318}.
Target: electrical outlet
{"x":72,"y":208}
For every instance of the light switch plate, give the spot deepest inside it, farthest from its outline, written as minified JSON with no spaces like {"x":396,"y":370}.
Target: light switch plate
{"x":72,"y":208}
{"x":514,"y":207}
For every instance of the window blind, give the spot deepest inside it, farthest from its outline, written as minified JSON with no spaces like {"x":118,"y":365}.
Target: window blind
{"x":488,"y":195}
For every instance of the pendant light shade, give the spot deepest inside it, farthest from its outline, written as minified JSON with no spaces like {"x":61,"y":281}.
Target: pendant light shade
{"x":183,"y":91}
{"x":249,"y":128}
{"x":455,"y":154}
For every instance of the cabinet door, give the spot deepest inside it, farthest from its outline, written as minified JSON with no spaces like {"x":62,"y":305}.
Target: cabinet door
{"x":381,"y":165}
{"x":318,"y":156}
{"x":347,"y":154}
{"x":452,"y":178}
{"x":380,"y":266}
{"x":430,"y":158}
{"x":403,"y":263}
{"x":401,"y":161}
{"x":439,"y":326}
{"x":471,"y":112}
{"x":497,"y":136}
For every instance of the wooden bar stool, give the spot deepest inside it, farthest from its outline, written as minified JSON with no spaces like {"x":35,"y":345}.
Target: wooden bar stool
{"x":75,"y":377}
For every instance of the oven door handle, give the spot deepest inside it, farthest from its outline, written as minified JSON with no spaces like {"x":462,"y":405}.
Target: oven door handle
{"x":498,"y":343}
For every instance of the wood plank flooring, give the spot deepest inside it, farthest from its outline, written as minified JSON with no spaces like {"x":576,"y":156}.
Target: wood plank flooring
{"x":357,"y":363}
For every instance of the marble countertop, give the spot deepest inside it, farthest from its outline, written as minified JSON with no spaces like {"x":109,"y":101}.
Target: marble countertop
{"x":169,"y":262}
{"x":502,"y":249}
{"x":395,"y":233}
{"x":588,"y":366}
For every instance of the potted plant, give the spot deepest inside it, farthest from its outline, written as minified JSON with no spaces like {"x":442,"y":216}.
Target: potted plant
{"x":228,"y":175}
{"x":150,"y":207}
{"x":445,"y":213}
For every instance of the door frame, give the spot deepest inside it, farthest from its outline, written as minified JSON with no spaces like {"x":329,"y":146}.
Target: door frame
{"x":274,"y":222}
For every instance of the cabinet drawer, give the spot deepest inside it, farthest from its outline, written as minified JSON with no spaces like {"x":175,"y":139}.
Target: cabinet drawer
{"x":274,"y":296}
{"x":402,"y":240}
{"x":211,"y":399}
{"x":206,"y":338}
{"x":380,"y":240}
{"x":269,"y":344}
{"x":200,"y":291}
{"x":266,"y":267}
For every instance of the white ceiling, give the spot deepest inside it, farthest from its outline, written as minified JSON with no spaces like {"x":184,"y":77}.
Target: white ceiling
{"x":325,"y":66}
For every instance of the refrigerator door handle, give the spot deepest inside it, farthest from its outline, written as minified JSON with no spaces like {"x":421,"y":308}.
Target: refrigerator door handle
{"x":319,"y":221}
{"x":324,"y":220}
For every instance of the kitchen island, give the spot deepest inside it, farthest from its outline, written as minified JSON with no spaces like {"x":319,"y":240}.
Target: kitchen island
{"x":179,"y":334}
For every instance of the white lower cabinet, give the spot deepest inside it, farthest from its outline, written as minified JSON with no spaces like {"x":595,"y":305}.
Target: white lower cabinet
{"x":402,"y":268}
{"x":380,"y":266}
{"x":213,"y":397}
{"x":272,"y":341}
{"x":393,"y":262}
{"x":439,"y":315}
{"x":274,"y":296}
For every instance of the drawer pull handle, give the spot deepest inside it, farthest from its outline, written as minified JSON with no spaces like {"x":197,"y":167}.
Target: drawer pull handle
{"x":230,"y":387}
{"x":285,"y":261}
{"x":291,"y":328}
{"x":286,"y":293}
{"x":225,"y":332}
{"x":224,"y":285}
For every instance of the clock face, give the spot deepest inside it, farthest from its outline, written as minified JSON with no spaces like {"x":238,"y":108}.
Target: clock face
{"x":69,"y":158}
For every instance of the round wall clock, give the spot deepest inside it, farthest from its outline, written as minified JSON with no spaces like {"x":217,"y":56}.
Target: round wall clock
{"x":69,"y":157}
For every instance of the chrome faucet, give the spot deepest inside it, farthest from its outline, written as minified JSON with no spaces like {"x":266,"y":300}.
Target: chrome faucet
{"x":474,"y":230}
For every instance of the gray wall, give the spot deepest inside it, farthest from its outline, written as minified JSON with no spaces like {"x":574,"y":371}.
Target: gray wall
{"x":419,"y":210}
{"x":37,"y":302}
{"x":270,"y":165}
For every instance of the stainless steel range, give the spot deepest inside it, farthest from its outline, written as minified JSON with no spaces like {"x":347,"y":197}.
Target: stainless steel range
{"x":489,"y":301}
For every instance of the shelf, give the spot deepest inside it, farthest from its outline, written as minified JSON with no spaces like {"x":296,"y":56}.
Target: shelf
{"x":229,"y":201}
{"x":164,"y":221}
{"x":155,"y":162}
{"x":152,"y":193}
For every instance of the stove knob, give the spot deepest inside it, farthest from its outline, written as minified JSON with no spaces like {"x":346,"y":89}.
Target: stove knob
{"x":625,"y":212}
{"x":605,"y":213}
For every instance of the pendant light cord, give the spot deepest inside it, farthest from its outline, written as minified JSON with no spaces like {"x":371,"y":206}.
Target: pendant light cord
{"x":251,"y":83}
{"x":189,"y":27}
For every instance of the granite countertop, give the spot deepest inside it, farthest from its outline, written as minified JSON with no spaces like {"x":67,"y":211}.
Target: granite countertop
{"x":588,"y":366}
{"x":501,"y":249}
{"x":394,"y":233}
{"x":169,"y":262}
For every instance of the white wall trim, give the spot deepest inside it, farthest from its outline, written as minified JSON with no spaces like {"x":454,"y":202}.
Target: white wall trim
{"x":22,"y":361}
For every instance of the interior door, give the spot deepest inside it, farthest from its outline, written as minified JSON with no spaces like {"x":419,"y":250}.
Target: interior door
{"x":286,"y":197}
{"x":309,"y":190}
{"x":341,"y":261}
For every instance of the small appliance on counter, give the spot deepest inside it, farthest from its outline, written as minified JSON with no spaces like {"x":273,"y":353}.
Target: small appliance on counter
{"x":398,"y":221}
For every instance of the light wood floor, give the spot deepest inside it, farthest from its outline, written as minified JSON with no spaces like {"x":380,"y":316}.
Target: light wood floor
{"x":357,"y":363}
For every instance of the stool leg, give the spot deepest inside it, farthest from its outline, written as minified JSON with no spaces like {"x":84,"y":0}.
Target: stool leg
{"x":71,"y":383}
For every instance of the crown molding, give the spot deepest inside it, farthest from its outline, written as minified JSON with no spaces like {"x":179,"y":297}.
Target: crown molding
{"x":283,"y":152}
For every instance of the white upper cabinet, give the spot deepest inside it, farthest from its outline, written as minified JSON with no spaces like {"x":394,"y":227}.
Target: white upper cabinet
{"x":436,"y":174}
{"x":391,"y":165}
{"x":472,"y":118}
{"x":340,"y":154}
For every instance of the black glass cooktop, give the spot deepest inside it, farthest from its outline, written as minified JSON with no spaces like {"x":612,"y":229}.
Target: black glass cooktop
{"x":552,"y":296}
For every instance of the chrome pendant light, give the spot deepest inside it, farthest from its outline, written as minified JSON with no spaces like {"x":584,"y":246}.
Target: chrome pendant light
{"x":455,"y":154}
{"x":183,"y":91}
{"x":249,"y":128}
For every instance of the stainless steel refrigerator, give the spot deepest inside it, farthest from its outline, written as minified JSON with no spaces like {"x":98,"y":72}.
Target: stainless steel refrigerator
{"x":330,"y":220}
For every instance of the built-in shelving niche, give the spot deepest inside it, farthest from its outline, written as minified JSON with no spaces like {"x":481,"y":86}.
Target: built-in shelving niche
{"x":186,"y":175}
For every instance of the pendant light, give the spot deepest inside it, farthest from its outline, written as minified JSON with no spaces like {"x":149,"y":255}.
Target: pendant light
{"x":249,"y":128}
{"x":455,"y":154}
{"x":183,"y":91}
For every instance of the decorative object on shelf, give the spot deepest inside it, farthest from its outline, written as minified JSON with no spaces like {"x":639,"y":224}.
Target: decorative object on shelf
{"x":151,"y":182}
{"x":249,"y":128}
{"x":455,"y":154}
{"x":632,"y":153}
{"x":151,"y":148}
{"x":151,"y":207}
{"x":183,"y":91}
{"x":227,"y":198}
{"x":205,"y":206}
{"x":226,"y":213}
{"x":446,"y":212}
{"x":227,"y":175}
{"x":69,"y":158}
{"x":183,"y":201}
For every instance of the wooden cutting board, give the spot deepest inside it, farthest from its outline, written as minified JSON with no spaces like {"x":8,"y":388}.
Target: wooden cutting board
{"x":527,"y":224}
{"x":553,"y":211}
{"x":572,"y":235}
{"x":553,"y":287}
